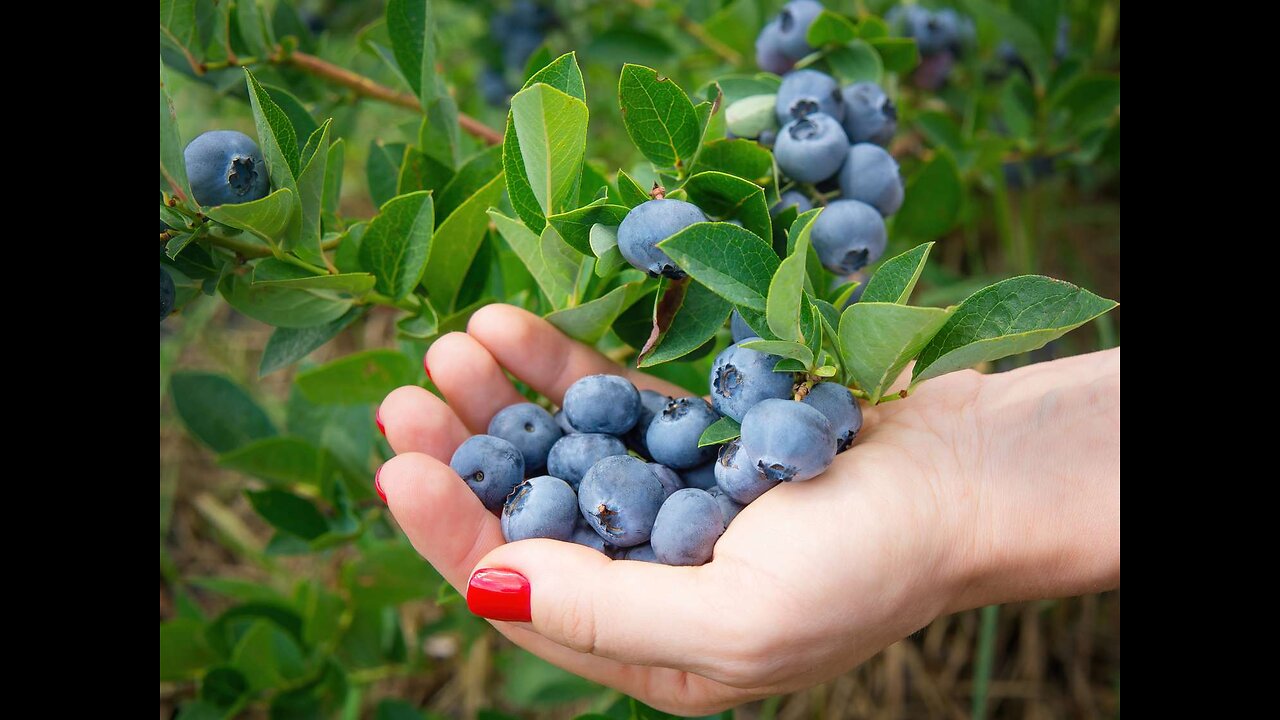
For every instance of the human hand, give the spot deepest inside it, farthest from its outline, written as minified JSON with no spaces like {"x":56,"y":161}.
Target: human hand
{"x":977,"y":489}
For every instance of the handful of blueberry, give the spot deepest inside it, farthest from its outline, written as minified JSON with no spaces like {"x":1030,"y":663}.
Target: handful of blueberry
{"x":621,"y":470}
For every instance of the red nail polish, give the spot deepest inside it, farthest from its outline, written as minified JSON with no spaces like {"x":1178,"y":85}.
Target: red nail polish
{"x":426,"y":369}
{"x":377,"y":484}
{"x":377,"y":418}
{"x":499,"y":595}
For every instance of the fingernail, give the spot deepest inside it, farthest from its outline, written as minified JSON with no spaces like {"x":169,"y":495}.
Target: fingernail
{"x":425,"y":368}
{"x":377,"y":418}
{"x":499,"y":595}
{"x":377,"y":484}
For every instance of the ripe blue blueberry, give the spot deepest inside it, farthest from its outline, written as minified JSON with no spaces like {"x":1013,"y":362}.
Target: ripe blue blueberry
{"x":639,"y":553}
{"x":687,"y":527}
{"x":620,"y":497}
{"x":490,"y":466}
{"x":673,"y":434}
{"x":167,"y":293}
{"x":869,"y":114}
{"x":769,"y":55}
{"x":742,"y":377}
{"x":848,"y":235}
{"x":811,"y":149}
{"x":573,"y":455}
{"x":602,"y":404}
{"x":805,"y":92}
{"x":540,"y":507}
{"x":648,"y":224}
{"x":651,"y":403}
{"x":225,"y":167}
{"x":729,"y":507}
{"x":670,"y":480}
{"x":493,"y":87}
{"x":563,"y":423}
{"x":789,"y":441}
{"x":793,"y":26}
{"x":840,"y":408}
{"x":870,"y":174}
{"x":739,"y":327}
{"x":530,"y":428}
{"x":768,"y":138}
{"x":791,"y":198}
{"x":737,"y":475}
{"x":702,"y":477}
{"x":585,"y":536}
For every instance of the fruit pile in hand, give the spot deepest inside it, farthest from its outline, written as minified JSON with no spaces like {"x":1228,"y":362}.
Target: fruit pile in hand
{"x":824,"y":135}
{"x":628,"y":472}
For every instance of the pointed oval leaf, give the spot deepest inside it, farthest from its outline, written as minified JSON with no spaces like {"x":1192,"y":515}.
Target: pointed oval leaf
{"x":732,"y":262}
{"x":395,"y":245}
{"x":879,"y":339}
{"x":896,"y":277}
{"x":659,"y":117}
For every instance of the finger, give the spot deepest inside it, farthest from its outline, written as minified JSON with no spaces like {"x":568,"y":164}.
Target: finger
{"x":470,"y":379}
{"x":414,"y":420}
{"x":535,"y":351}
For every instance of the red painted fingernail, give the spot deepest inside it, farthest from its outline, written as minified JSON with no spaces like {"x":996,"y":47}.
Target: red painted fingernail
{"x":377,"y":418}
{"x":425,"y":368}
{"x":499,"y":595}
{"x":377,"y":484}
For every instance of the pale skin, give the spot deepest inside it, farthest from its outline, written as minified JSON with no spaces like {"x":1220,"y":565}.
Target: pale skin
{"x":977,"y":489}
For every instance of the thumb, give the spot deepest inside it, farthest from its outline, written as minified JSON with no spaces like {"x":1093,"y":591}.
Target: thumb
{"x":633,"y":612}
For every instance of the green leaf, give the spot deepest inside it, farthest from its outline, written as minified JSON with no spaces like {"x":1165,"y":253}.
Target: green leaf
{"x":1089,"y":100}
{"x":389,"y":574}
{"x":268,"y":657}
{"x":344,"y":431}
{"x":289,"y":513}
{"x":383,"y":170}
{"x":659,"y":117}
{"x":276,"y":135}
{"x":721,"y":431}
{"x":183,"y":649}
{"x":311,"y":197}
{"x":627,"y":43}
{"x":552,"y":265}
{"x":223,"y":686}
{"x":267,"y":218}
{"x":940,"y":129}
{"x":826,"y":371}
{"x":783,"y":348}
{"x":282,"y":460}
{"x":786,"y":289}
{"x":590,"y":321}
{"x":604,"y":243}
{"x":736,"y":87}
{"x":470,"y":178}
{"x":363,"y":377}
{"x":396,"y":245}
{"x":896,"y":277}
{"x":575,"y":226}
{"x":421,"y":171}
{"x":879,"y":339}
{"x":732,"y":262}
{"x":1015,"y":30}
{"x":283,"y":306}
{"x":172,"y":165}
{"x":178,"y":22}
{"x":304,"y":125}
{"x":254,"y":28}
{"x":630,"y":191}
{"x":1013,"y":316}
{"x":830,"y":29}
{"x":1018,"y":106}
{"x":700,"y":314}
{"x":552,"y":130}
{"x":855,"y":62}
{"x":564,"y":75}
{"x":933,"y":199}
{"x":454,"y":245}
{"x":897,"y":55}
{"x":217,"y":412}
{"x":333,"y":182}
{"x":744,"y":158}
{"x":411,"y":27}
{"x":726,"y":197}
{"x":289,"y":345}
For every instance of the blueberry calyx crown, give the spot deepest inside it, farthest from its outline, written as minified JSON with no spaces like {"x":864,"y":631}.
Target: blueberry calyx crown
{"x":727,"y":380}
{"x":242,"y":174}
{"x":805,"y":129}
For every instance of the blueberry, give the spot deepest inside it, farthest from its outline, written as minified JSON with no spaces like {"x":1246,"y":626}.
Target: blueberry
{"x":742,"y":377}
{"x":869,"y":114}
{"x":932,"y":33}
{"x":620,"y":497}
{"x":932,"y":72}
{"x":793,"y":26}
{"x":563,"y":422}
{"x":767,"y":138}
{"x":673,"y":434}
{"x":167,"y":292}
{"x":805,"y":92}
{"x":870,"y":174}
{"x":518,"y":46}
{"x":530,"y":428}
{"x":848,"y":235}
{"x":493,"y":87}
{"x":687,"y":527}
{"x":811,"y":149}
{"x":789,"y":441}
{"x":585,"y":536}
{"x":648,"y":224}
{"x":639,"y":553}
{"x":225,"y":167}
{"x":751,"y":116}
{"x":670,"y":480}
{"x":651,"y":403}
{"x":602,"y":404}
{"x":769,"y":55}
{"x":737,"y":475}
{"x":490,"y":466}
{"x":840,"y":408}
{"x":540,"y":507}
{"x":729,"y":507}
{"x":573,"y":455}
{"x":739,"y":327}
{"x":702,"y":477}
{"x":790,"y":198}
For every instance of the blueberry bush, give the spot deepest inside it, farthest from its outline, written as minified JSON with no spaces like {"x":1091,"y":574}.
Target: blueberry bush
{"x":746,"y":198}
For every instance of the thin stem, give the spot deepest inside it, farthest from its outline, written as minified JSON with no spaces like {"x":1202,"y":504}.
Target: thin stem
{"x":251,"y":250}
{"x":377,"y":298}
{"x":900,"y":395}
{"x":699,"y":33}
{"x":984,"y":661}
{"x":299,"y":262}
